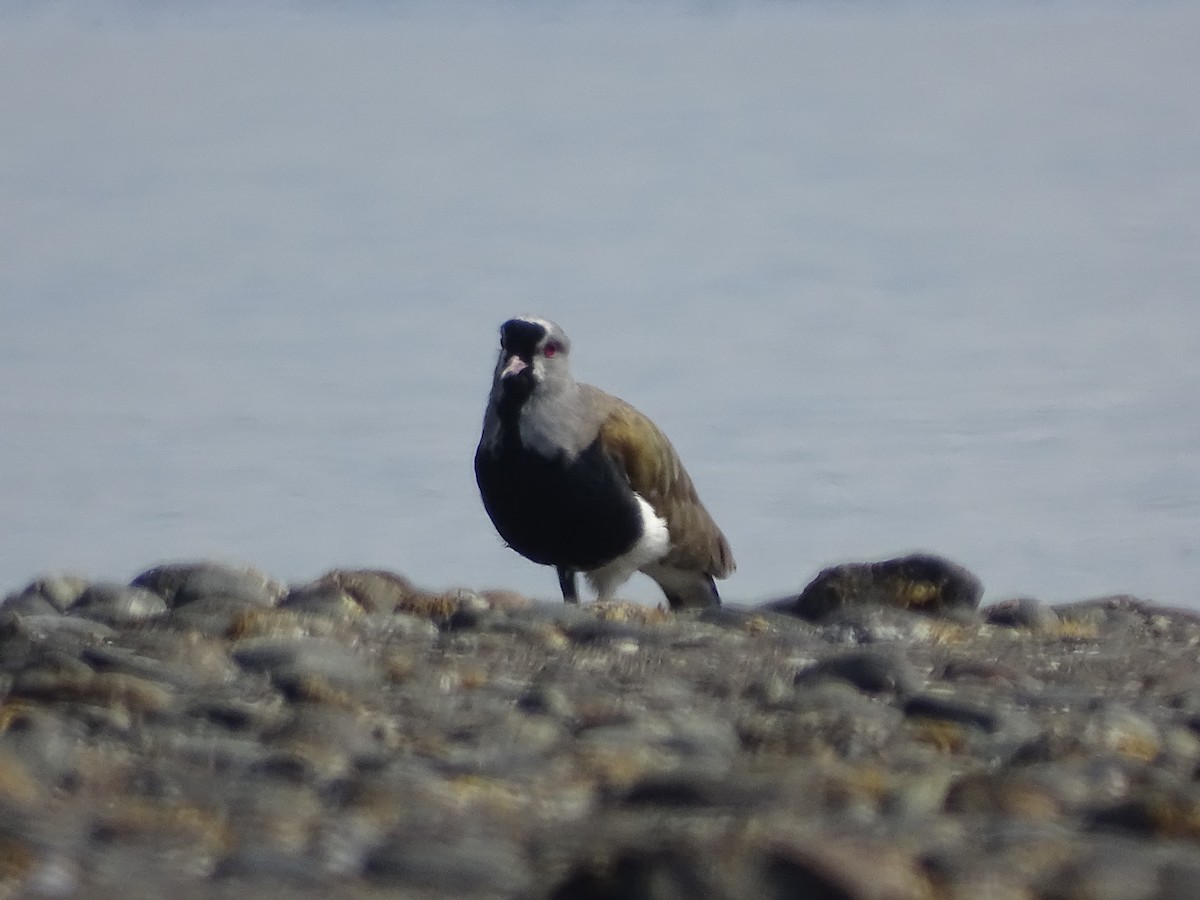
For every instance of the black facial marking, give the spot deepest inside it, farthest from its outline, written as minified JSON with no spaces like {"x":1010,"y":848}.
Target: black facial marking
{"x":521,"y":337}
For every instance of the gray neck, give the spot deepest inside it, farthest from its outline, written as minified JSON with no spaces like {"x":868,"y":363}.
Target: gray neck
{"x":552,"y":422}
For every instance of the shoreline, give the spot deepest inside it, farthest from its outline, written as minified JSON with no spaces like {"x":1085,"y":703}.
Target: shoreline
{"x":210,"y":731}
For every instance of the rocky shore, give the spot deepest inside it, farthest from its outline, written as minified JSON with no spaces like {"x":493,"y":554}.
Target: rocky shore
{"x":206,"y":731}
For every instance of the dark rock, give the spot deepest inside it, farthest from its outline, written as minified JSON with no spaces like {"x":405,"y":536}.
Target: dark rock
{"x":929,"y":706}
{"x":454,"y":866}
{"x":826,"y":869}
{"x":548,"y":700}
{"x":1161,"y":811}
{"x":593,"y":631}
{"x":699,"y":788}
{"x":873,"y":671}
{"x":642,"y":874}
{"x":921,"y":582}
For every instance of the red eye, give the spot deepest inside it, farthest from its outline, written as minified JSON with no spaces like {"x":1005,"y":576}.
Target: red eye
{"x":551,"y":349}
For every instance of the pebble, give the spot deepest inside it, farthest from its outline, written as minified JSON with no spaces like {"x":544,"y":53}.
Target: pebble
{"x":206,"y":731}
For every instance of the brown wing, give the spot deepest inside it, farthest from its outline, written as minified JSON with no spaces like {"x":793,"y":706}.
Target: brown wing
{"x":657,"y":474}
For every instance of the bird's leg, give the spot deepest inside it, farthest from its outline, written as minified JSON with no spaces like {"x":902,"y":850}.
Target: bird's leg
{"x":566,"y":581}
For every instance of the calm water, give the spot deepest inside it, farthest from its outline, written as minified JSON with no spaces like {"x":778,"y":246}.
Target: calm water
{"x":892,"y":276}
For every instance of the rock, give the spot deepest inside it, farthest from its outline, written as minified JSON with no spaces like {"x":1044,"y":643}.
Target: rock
{"x":699,"y":788}
{"x":833,"y":869}
{"x":213,"y":616}
{"x":182,"y":583}
{"x":58,"y":591}
{"x":873,"y":671}
{"x":643,"y":874}
{"x":451,"y":865}
{"x":118,"y":604}
{"x":372,"y":590}
{"x":950,"y":709}
{"x":29,"y":603}
{"x":56,"y":627}
{"x":316,"y":668}
{"x":921,"y":582}
{"x":322,"y":600}
{"x":1023,"y":612}
{"x":363,"y":739}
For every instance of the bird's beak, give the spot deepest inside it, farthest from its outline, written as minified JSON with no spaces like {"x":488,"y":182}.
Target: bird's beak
{"x":513,"y":367}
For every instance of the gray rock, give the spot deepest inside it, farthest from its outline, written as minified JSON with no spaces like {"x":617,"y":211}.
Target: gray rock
{"x":29,"y":603}
{"x":451,"y":865}
{"x":118,"y":604}
{"x":182,"y":583}
{"x":873,"y":671}
{"x":59,"y":591}
{"x":306,"y":663}
{"x":1022,"y":612}
{"x":56,"y":627}
{"x":214,"y":616}
{"x":373,"y":590}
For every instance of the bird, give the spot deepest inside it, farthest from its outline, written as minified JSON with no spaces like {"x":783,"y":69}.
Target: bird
{"x":577,"y":479}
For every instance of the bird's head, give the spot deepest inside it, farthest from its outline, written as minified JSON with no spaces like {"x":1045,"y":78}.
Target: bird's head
{"x":533,"y":357}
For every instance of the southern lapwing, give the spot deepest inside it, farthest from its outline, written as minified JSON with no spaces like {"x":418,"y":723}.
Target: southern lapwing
{"x":577,"y":479}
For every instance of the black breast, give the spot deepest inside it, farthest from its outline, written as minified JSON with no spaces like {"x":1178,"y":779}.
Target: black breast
{"x":579,"y":513}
